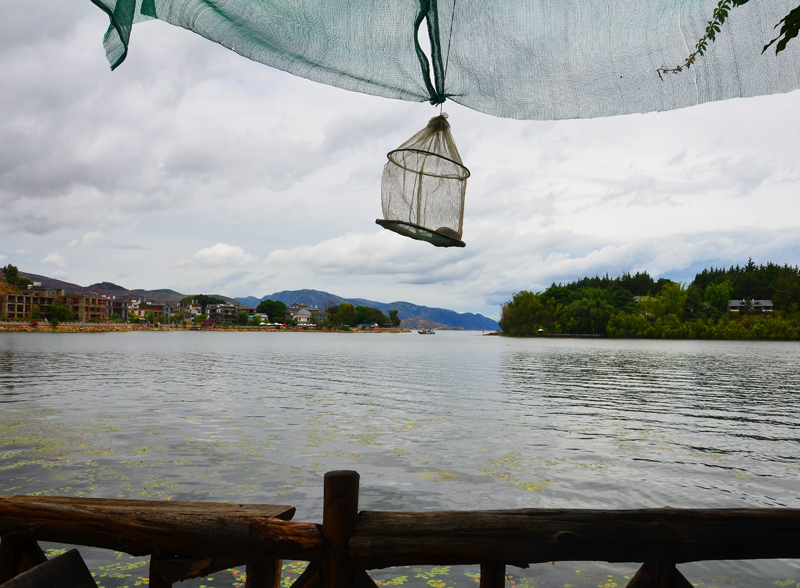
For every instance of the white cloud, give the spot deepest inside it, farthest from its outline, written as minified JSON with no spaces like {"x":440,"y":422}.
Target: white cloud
{"x":88,"y":240}
{"x":56,"y":261}
{"x":224,"y":255}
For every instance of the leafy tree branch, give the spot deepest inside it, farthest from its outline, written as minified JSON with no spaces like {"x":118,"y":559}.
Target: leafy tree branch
{"x":790,"y":26}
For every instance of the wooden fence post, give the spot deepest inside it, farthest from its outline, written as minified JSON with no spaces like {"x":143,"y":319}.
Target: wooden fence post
{"x":658,"y":574}
{"x":340,"y":509}
{"x":19,"y":552}
{"x":156,"y":578}
{"x":264,"y":574}
{"x":493,"y":575}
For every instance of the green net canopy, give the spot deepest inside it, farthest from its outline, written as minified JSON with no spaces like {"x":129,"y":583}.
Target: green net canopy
{"x":527,"y":59}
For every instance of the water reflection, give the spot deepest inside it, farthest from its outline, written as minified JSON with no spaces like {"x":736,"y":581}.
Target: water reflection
{"x":452,"y":421}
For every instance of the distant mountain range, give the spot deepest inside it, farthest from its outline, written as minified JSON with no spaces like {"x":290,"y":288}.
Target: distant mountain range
{"x":413,"y":316}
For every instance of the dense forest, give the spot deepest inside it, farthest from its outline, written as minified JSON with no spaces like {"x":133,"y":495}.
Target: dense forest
{"x":638,"y":306}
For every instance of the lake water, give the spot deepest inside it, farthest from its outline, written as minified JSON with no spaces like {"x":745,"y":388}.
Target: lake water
{"x":452,"y":421}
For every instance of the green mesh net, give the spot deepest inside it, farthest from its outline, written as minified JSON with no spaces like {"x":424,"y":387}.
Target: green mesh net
{"x":528,"y":59}
{"x":423,"y":186}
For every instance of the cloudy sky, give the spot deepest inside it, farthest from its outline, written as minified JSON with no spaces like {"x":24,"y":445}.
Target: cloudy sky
{"x":192,"y":168}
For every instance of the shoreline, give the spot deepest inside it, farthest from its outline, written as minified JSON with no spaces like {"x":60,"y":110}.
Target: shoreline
{"x":126,"y":328}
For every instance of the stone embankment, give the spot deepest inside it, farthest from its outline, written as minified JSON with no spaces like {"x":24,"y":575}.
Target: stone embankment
{"x":84,"y":328}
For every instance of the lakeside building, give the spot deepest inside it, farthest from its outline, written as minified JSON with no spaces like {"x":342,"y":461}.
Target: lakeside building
{"x":222,"y":313}
{"x":87,"y":307}
{"x":304,"y":314}
{"x":21,"y":306}
{"x":160,"y":312}
{"x":36,"y":302}
{"x":756,"y":305}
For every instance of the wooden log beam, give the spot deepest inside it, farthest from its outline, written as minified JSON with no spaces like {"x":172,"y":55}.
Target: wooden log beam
{"x":195,"y":530}
{"x":522,"y":537}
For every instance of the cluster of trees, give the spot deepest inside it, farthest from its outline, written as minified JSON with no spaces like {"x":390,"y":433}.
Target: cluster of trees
{"x":663,"y":308}
{"x":11,"y":276}
{"x":346,"y":314}
{"x":202,"y":299}
{"x":338,"y":316}
{"x":274,"y":309}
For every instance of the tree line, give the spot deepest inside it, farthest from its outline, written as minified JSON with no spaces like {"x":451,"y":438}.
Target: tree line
{"x":344,"y":315}
{"x":638,"y":306}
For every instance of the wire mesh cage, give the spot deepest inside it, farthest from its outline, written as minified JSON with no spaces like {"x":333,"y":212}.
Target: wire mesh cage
{"x":423,"y":187}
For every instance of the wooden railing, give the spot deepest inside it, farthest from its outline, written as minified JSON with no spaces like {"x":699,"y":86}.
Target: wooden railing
{"x":191,"y":539}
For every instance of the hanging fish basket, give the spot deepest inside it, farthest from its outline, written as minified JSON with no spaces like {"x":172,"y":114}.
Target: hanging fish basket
{"x":423,"y":187}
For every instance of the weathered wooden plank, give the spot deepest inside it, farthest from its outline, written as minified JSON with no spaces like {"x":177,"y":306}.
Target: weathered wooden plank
{"x":156,"y":508}
{"x":521,"y":537}
{"x":192,"y":530}
{"x":340,"y":509}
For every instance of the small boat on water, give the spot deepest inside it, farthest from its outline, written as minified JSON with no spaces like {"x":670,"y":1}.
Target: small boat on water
{"x":424,"y":331}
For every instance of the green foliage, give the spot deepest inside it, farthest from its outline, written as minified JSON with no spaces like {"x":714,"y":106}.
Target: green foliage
{"x":242,"y":318}
{"x":789,"y":29}
{"x":369,"y":315}
{"x":589,"y":314}
{"x":343,"y":314}
{"x":202,"y":299}
{"x":713,"y":27}
{"x":61,"y":313}
{"x":673,"y":297}
{"x":527,"y":312}
{"x":790,"y":26}
{"x":11,"y":276}
{"x":781,"y":284}
{"x":347,"y":314}
{"x":665,"y":309}
{"x":393,"y":318}
{"x":627,"y":326}
{"x":274,"y":309}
